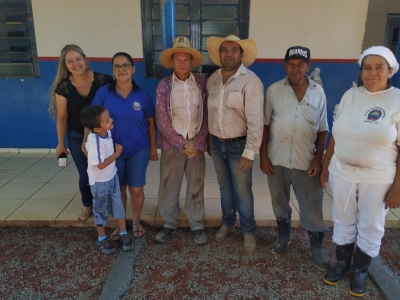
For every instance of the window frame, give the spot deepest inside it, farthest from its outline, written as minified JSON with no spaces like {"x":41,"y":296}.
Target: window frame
{"x":16,"y":65}
{"x":151,"y":24}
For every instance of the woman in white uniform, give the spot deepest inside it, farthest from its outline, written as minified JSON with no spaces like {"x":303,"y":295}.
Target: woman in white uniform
{"x":362,"y":164}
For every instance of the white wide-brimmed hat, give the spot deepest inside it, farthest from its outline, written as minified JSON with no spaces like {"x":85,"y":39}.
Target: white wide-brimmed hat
{"x":249,"y":48}
{"x":181,"y":44}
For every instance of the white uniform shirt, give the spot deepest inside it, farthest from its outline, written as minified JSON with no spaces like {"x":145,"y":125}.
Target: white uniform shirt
{"x":294,"y":125}
{"x":235,"y":108}
{"x":186,"y":106}
{"x":99,"y":148}
{"x":366,"y":132}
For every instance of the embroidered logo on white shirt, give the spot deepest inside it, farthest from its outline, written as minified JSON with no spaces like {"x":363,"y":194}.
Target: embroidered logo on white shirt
{"x":374,"y":114}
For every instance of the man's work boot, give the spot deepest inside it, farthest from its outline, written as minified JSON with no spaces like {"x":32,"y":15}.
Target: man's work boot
{"x":318,"y":257}
{"x":223,"y":232}
{"x":283,"y":240}
{"x":249,"y":242}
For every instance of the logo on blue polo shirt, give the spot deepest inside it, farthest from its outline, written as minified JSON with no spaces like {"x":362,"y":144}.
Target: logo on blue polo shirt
{"x":137,"y":106}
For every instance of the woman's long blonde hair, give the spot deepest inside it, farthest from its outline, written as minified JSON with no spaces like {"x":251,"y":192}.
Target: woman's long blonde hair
{"x":62,"y":73}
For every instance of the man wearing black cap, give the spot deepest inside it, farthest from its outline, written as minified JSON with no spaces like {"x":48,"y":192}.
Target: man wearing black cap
{"x":295,"y":133}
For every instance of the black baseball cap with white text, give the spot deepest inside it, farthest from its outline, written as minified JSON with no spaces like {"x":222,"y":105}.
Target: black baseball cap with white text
{"x":298,"y":52}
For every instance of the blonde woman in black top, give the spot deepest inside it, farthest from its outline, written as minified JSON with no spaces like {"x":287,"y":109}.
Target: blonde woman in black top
{"x":74,"y":88}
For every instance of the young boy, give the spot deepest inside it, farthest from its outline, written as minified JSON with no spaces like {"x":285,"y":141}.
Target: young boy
{"x":103,"y":178}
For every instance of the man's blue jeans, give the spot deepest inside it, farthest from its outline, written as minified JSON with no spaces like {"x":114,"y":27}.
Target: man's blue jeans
{"x":234,"y":183}
{"x":75,"y":140}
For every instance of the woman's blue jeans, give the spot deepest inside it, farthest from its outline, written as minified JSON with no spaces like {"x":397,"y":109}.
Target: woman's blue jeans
{"x":75,"y":140}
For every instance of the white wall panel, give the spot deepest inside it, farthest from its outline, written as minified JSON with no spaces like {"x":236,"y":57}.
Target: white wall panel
{"x":332,"y":29}
{"x":100,"y":27}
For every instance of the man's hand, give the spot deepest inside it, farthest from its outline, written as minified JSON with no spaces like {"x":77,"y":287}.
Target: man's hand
{"x":315,"y":168}
{"x":191,"y":154}
{"x":245,"y":163}
{"x":189,"y":150}
{"x":266,"y":166}
{"x":392,"y":199}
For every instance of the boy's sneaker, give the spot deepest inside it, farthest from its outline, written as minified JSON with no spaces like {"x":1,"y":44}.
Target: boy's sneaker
{"x":106,"y":246}
{"x":127,"y":243}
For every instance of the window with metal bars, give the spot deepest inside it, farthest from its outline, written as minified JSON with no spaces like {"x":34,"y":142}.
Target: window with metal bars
{"x":392,"y":33}
{"x":196,"y":19}
{"x":18,"y":54}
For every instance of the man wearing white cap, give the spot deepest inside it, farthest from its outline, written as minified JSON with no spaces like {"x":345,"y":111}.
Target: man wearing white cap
{"x":181,"y":116}
{"x":294,"y":139}
{"x":235,"y":101}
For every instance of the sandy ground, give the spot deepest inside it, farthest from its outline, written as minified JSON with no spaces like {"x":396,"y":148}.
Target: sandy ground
{"x":63,"y":263}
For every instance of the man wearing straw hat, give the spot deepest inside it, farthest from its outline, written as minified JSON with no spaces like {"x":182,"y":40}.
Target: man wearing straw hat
{"x":181,"y":116}
{"x":235,"y":102}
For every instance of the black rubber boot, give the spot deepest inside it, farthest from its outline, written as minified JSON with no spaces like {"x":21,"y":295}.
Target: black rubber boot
{"x":359,"y":273}
{"x":283,"y":240}
{"x":318,"y":257}
{"x":342,"y":266}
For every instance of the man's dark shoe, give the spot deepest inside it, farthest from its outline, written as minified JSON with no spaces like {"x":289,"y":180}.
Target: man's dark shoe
{"x":200,"y":237}
{"x":106,"y":246}
{"x":127,"y":243}
{"x":164,"y":235}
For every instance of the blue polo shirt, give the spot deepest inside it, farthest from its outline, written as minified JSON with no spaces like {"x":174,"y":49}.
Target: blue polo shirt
{"x":129,"y":116}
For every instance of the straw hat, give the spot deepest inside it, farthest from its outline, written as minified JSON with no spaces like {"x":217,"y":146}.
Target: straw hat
{"x":249,"y":48}
{"x":181,"y":44}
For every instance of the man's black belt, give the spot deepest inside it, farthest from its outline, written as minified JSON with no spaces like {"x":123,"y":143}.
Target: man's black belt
{"x":232,"y":139}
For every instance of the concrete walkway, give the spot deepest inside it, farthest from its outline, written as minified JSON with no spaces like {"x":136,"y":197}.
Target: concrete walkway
{"x":35,"y":191}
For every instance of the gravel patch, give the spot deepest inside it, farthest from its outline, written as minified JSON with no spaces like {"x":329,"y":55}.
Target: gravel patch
{"x":51,"y":263}
{"x":63,"y":263}
{"x":180,"y":269}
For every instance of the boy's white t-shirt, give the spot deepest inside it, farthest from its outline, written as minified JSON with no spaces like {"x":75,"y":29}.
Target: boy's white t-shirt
{"x":99,"y":148}
{"x":366,"y":130}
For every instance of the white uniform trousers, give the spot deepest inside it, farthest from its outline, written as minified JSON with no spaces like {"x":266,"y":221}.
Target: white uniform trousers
{"x":365,"y":201}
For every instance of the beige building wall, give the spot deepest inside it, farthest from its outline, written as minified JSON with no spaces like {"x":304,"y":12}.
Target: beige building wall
{"x":100,"y":27}
{"x":332,"y":29}
{"x":378,"y":10}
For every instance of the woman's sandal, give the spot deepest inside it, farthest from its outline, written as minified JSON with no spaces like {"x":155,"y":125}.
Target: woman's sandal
{"x":115,"y":234}
{"x":139,"y":233}
{"x":84,"y":214}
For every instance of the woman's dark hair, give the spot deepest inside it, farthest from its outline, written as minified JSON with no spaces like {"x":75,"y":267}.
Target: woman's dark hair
{"x":360,"y":83}
{"x":124,"y":54}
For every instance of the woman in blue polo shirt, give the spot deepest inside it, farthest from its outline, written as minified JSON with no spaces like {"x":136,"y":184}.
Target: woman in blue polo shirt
{"x":132,"y":111}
